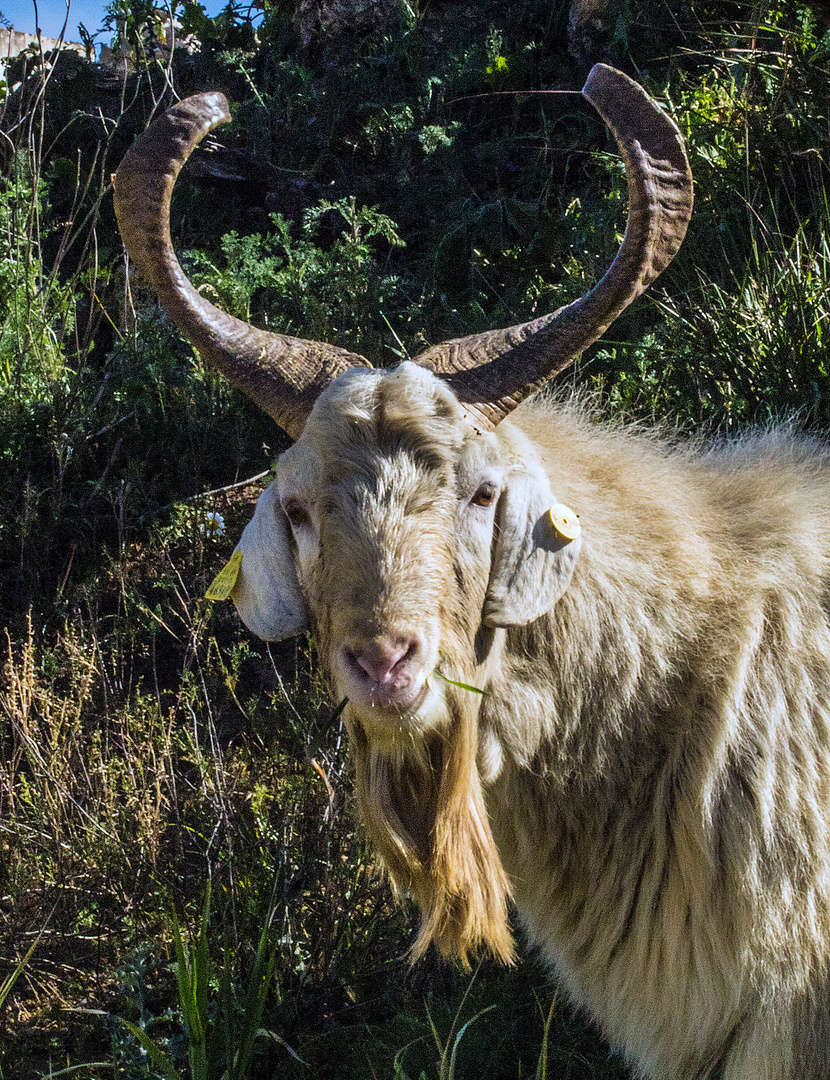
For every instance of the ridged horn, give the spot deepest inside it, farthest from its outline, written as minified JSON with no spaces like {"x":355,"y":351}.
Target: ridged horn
{"x":283,"y":375}
{"x":491,"y":373}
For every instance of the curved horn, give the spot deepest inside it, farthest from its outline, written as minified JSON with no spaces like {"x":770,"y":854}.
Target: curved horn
{"x":493,"y":372}
{"x":283,"y":375}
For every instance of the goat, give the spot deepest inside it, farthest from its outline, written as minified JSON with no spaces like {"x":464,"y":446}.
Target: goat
{"x":647,"y":771}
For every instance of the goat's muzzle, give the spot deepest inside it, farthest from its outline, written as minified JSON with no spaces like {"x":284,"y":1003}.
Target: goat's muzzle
{"x":385,"y":671}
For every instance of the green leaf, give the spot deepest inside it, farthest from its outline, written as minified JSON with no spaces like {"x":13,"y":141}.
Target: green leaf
{"x":157,"y":1056}
{"x":460,"y":685}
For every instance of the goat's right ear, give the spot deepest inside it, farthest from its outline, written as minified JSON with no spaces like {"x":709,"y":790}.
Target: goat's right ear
{"x":267,"y":592}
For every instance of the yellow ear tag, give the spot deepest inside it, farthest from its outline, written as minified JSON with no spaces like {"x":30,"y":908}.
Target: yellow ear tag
{"x":565,"y":522}
{"x":222,"y":585}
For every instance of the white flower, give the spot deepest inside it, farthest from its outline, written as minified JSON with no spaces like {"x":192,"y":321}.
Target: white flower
{"x":213,"y":525}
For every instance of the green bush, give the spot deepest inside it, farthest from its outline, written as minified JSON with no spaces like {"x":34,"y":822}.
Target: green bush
{"x":296,"y":286}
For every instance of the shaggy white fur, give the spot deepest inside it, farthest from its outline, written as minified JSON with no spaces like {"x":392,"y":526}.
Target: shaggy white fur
{"x":648,"y":770}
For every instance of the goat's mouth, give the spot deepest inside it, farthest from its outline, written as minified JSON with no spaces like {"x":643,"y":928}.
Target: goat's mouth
{"x":401,"y":706}
{"x":391,"y":721}
{"x":398,"y":694}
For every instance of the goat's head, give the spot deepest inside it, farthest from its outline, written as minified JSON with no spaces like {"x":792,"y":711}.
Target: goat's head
{"x":405,"y":523}
{"x":380,"y":525}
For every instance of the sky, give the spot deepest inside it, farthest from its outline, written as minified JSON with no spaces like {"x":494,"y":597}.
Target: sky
{"x":52,"y":13}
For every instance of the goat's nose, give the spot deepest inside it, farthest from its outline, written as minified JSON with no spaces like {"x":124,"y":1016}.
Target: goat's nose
{"x":384,"y":659}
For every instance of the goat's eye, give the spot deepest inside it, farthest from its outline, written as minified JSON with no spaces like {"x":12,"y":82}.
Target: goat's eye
{"x":485,"y":496}
{"x":296,"y":513}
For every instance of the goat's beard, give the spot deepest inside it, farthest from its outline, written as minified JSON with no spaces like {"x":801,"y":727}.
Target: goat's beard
{"x":422,"y":804}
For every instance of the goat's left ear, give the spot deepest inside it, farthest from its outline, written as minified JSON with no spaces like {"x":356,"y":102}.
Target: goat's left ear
{"x":532,"y":561}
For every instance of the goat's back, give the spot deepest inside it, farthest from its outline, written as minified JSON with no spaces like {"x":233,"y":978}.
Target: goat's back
{"x":663,"y":801}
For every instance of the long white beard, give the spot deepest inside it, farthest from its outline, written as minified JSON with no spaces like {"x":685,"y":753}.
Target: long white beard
{"x":422,"y":805}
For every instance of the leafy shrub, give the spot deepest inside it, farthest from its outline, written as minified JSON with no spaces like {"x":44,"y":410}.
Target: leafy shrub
{"x":302,"y":288}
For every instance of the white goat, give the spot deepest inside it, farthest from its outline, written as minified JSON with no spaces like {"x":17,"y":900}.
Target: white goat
{"x":647,"y":774}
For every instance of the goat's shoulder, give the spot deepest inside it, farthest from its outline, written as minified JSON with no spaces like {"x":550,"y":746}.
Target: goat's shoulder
{"x":752,"y":509}
{"x":772,"y":471}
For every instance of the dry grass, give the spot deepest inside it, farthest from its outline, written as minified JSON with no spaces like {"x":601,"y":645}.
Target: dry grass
{"x":142,"y":755}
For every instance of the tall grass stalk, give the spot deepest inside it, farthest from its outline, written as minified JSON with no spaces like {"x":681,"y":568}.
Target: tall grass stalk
{"x":220,"y":1035}
{"x":542,"y":1064}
